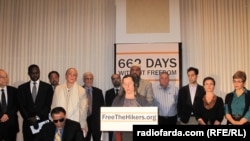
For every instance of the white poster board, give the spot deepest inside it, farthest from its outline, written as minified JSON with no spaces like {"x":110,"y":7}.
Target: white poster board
{"x":123,"y":118}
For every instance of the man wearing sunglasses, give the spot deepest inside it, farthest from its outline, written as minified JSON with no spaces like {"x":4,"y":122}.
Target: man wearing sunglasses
{"x":61,"y":128}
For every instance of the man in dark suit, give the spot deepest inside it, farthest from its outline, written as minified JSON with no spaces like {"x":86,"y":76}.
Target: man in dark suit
{"x":8,"y":109}
{"x":66,"y":129}
{"x":54,"y":78}
{"x":187,"y":98}
{"x":96,"y":101}
{"x":112,"y":93}
{"x":35,"y":98}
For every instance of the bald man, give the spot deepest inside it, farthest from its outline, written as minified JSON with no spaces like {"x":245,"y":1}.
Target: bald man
{"x":8,"y":115}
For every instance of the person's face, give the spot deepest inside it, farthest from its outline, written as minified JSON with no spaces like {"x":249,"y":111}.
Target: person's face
{"x":192,"y":77}
{"x":209,"y":85}
{"x":238,"y":84}
{"x":59,"y":119}
{"x":34,"y":74}
{"x":3,"y":79}
{"x":88,"y":80}
{"x":164,"y":80}
{"x":135,"y":71}
{"x":71,"y":76}
{"x":128,"y":85}
{"x":54,"y":79}
{"x":116,"y":80}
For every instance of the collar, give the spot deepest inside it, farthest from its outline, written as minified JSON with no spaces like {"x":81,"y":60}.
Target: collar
{"x":115,"y":88}
{"x":88,"y":88}
{"x":244,"y":91}
{"x":160,"y":87}
{"x":4,"y":89}
{"x":37,"y":82}
{"x":192,"y":85}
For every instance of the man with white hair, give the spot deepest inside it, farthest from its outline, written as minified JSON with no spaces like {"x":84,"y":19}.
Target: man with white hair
{"x":144,"y":86}
{"x":95,"y":102}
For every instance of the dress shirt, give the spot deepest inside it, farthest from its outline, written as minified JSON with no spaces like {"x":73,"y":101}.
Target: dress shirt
{"x":166,"y":100}
{"x":32,"y":84}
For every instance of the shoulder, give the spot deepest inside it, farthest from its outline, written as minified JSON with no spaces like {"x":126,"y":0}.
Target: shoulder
{"x":45,"y":84}
{"x":11,"y":88}
{"x":48,"y":125}
{"x":184,"y":88}
{"x":200,"y":87}
{"x":146,"y":82}
{"x":109,"y":90}
{"x":96,"y":89}
{"x":140,"y":97}
{"x":118,"y":101}
{"x":23,"y":85}
{"x":72,"y":123}
{"x":60,"y":86}
{"x":247,"y":92}
{"x":80,"y":88}
{"x":173,"y":87}
{"x":142,"y":100}
{"x":219,"y":99}
{"x":228,"y":96}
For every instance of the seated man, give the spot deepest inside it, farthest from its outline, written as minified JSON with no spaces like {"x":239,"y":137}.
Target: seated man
{"x":61,"y":128}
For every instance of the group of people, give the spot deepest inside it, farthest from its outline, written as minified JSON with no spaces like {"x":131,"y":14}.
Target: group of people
{"x":73,"y":111}
{"x":61,"y":106}
{"x":200,"y":105}
{"x":81,"y":103}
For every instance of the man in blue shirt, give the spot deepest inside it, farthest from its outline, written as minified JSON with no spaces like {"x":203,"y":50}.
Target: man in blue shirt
{"x":165,"y":98}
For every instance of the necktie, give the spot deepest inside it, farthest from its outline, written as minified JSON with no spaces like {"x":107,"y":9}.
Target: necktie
{"x":4,"y":105}
{"x":34,"y":92}
{"x":89,"y":101}
{"x":58,"y":135}
{"x":116,"y":91}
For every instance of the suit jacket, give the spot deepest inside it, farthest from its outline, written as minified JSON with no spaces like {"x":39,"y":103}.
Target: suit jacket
{"x":94,"y":119}
{"x":42,"y":105}
{"x":71,"y":131}
{"x":109,"y":97}
{"x":12,"y":124}
{"x":146,"y":89}
{"x":184,"y":104}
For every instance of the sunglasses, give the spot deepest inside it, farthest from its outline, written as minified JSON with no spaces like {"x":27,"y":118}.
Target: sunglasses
{"x":60,"y":120}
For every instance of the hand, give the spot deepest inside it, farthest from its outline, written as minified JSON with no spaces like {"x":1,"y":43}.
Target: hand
{"x":4,"y":118}
{"x":216,"y":122}
{"x":85,"y":131}
{"x":33,"y":121}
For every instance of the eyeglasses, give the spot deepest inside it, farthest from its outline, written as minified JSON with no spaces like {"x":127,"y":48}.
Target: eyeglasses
{"x":237,"y":81}
{"x":60,"y":120}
